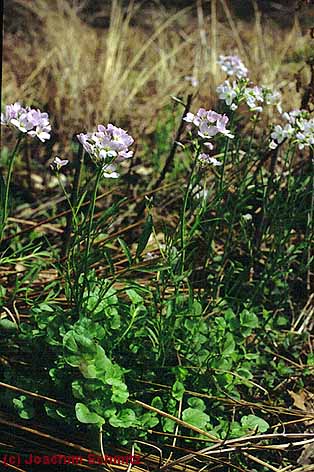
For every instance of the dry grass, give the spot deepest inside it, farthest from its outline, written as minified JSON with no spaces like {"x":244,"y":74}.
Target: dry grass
{"x":126,"y":72}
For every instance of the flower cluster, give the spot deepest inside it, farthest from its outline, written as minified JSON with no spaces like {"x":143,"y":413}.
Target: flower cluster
{"x":106,"y":145}
{"x":237,"y":92}
{"x":241,"y":89}
{"x":209,"y":124}
{"x":233,"y":65}
{"x":299,"y":129}
{"x":27,"y":120}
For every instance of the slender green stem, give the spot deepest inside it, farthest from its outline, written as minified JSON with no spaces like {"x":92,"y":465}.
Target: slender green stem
{"x":88,"y":237}
{"x":255,"y":120}
{"x":73,"y":217}
{"x":291,"y":157}
{"x":225,"y":158}
{"x":7,"y":185}
{"x":239,"y":194}
{"x":183,"y":214}
{"x":67,"y":198}
{"x":74,"y":200}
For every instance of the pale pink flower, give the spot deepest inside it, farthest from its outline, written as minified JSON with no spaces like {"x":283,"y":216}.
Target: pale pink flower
{"x":58,"y":163}
{"x":233,"y":65}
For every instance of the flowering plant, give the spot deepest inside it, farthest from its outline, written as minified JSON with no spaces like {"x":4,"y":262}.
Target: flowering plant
{"x":27,"y":120}
{"x":106,"y":145}
{"x":299,"y":129}
{"x":209,"y":124}
{"x":242,"y":89}
{"x":233,"y":65}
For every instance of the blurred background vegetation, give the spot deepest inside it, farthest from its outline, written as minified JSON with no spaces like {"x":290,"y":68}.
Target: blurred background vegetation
{"x":92,"y":61}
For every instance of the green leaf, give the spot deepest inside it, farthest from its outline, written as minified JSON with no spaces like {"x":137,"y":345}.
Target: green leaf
{"x":197,"y":403}
{"x":195,"y":417}
{"x":120,"y":393}
{"x":125,"y":250}
{"x":46,"y":307}
{"x":157,"y":403}
{"x":55,"y":412}
{"x":102,"y":362}
{"x":229,"y":345}
{"x":178,"y":390}
{"x":7,"y":325}
{"x":245,"y":373}
{"x":168,"y":425}
{"x":27,"y":414}
{"x":254,"y":423}
{"x":125,"y":419}
{"x":248,"y":319}
{"x":149,"y":420}
{"x":24,"y":407}
{"x":88,"y":370}
{"x":94,"y":329}
{"x":236,"y":429}
{"x":197,"y":308}
{"x":310,"y":359}
{"x":134,"y":297}
{"x":69,"y":342}
{"x":77,"y":390}
{"x":84,"y":415}
{"x":147,"y":230}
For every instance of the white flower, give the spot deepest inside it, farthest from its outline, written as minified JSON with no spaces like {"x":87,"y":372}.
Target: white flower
{"x":227,"y":92}
{"x":214,"y":161}
{"x":109,"y":172}
{"x":41,"y":133}
{"x":201,"y":193}
{"x":253,"y":95}
{"x":289,"y":130}
{"x":106,"y":145}
{"x":278,"y":134}
{"x":272,"y":97}
{"x":292,"y":115}
{"x":58,"y":163}
{"x":206,"y":159}
{"x":209,"y":145}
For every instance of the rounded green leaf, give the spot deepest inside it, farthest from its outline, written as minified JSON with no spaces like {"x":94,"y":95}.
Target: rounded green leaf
{"x":254,"y":423}
{"x":84,"y":415}
{"x":195,"y":417}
